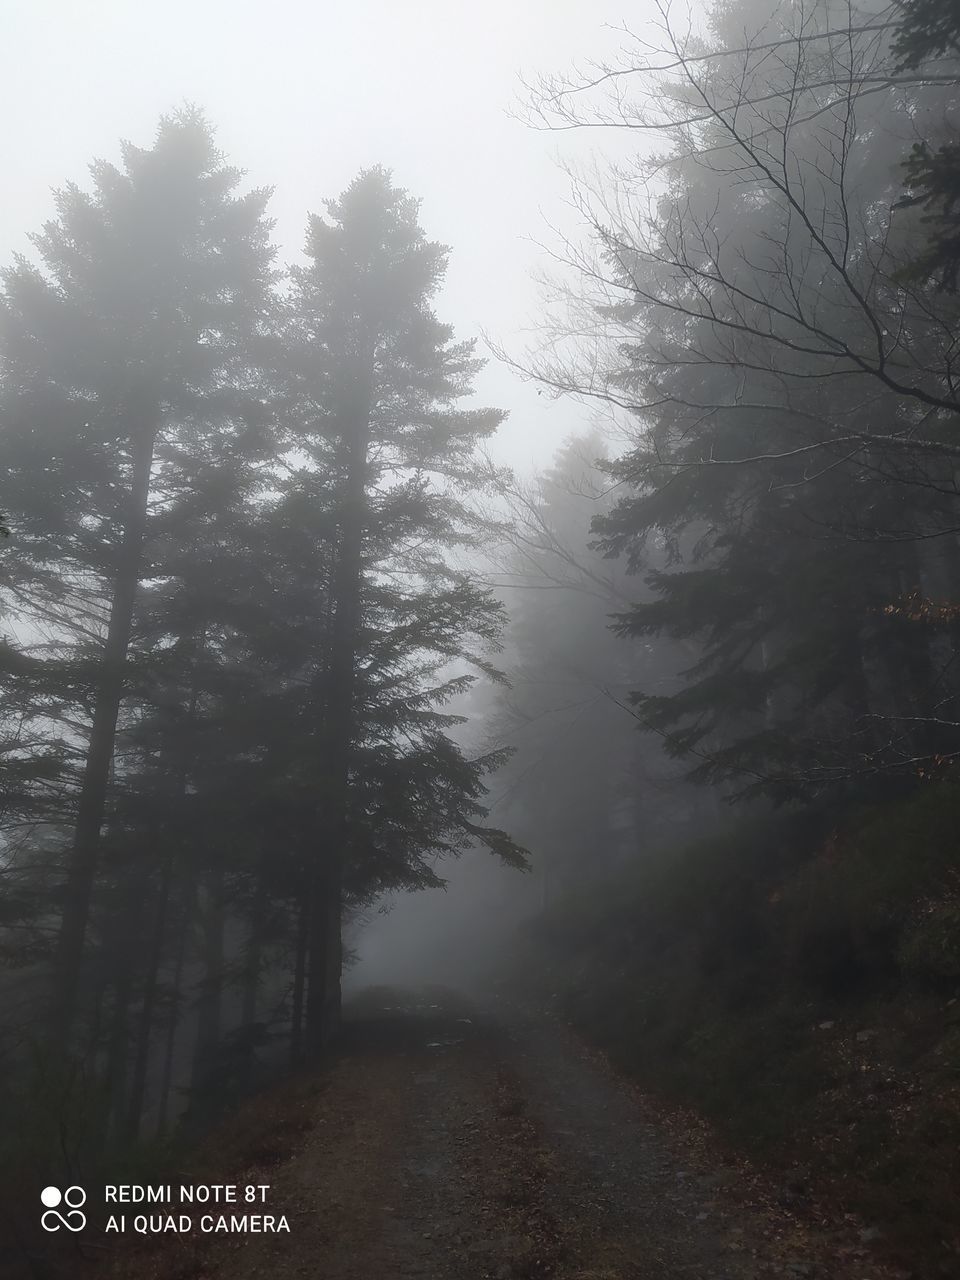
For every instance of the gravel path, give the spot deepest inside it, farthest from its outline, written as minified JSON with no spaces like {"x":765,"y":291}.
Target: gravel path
{"x":484,"y":1142}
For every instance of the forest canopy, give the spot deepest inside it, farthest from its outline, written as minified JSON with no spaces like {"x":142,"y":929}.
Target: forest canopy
{"x":771,"y":309}
{"x":235,"y":611}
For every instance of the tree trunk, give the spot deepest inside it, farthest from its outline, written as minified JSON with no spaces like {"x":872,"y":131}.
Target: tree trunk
{"x":120,"y":958}
{"x":325,"y":955}
{"x":251,"y":968}
{"x":299,"y":981}
{"x":142,"y":1060}
{"x":209,"y":1013}
{"x":127,"y":935}
{"x":93,"y":795}
{"x":167,"y":1077}
{"x":251,"y":984}
{"x":326,"y":907}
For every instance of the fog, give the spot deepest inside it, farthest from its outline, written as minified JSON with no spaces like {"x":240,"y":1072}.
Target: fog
{"x":480,"y":514}
{"x":304,"y":97}
{"x":302,"y":100}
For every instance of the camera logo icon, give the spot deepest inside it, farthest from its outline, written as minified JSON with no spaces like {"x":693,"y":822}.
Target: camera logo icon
{"x":74,"y":1198}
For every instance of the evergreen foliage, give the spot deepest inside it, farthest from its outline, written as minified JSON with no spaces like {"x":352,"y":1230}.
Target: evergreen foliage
{"x":237,"y":617}
{"x":792,"y":393}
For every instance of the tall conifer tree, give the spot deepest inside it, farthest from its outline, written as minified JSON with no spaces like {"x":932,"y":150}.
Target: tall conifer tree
{"x":125,"y":352}
{"x":375,"y":379}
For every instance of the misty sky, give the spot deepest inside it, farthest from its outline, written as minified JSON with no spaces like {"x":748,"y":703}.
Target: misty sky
{"x":305,"y":94}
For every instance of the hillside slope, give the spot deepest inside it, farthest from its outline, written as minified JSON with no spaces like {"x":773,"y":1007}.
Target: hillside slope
{"x":798,"y":985}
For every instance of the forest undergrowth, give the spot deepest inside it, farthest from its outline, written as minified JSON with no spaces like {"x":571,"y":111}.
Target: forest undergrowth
{"x":796,"y":981}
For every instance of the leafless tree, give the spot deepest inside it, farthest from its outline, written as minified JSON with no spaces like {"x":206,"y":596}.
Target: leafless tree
{"x":756,"y":265}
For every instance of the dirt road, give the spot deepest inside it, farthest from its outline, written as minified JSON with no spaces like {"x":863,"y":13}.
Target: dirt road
{"x":455,"y":1142}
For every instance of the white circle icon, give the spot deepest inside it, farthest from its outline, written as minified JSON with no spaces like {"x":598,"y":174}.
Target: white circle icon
{"x":52,"y":1219}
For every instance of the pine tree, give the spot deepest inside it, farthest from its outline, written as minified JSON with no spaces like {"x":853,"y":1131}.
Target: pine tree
{"x":374,"y":380}
{"x":239,"y":617}
{"x":584,"y":790}
{"x":126,"y":349}
{"x":930,"y":33}
{"x":793,"y":405}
